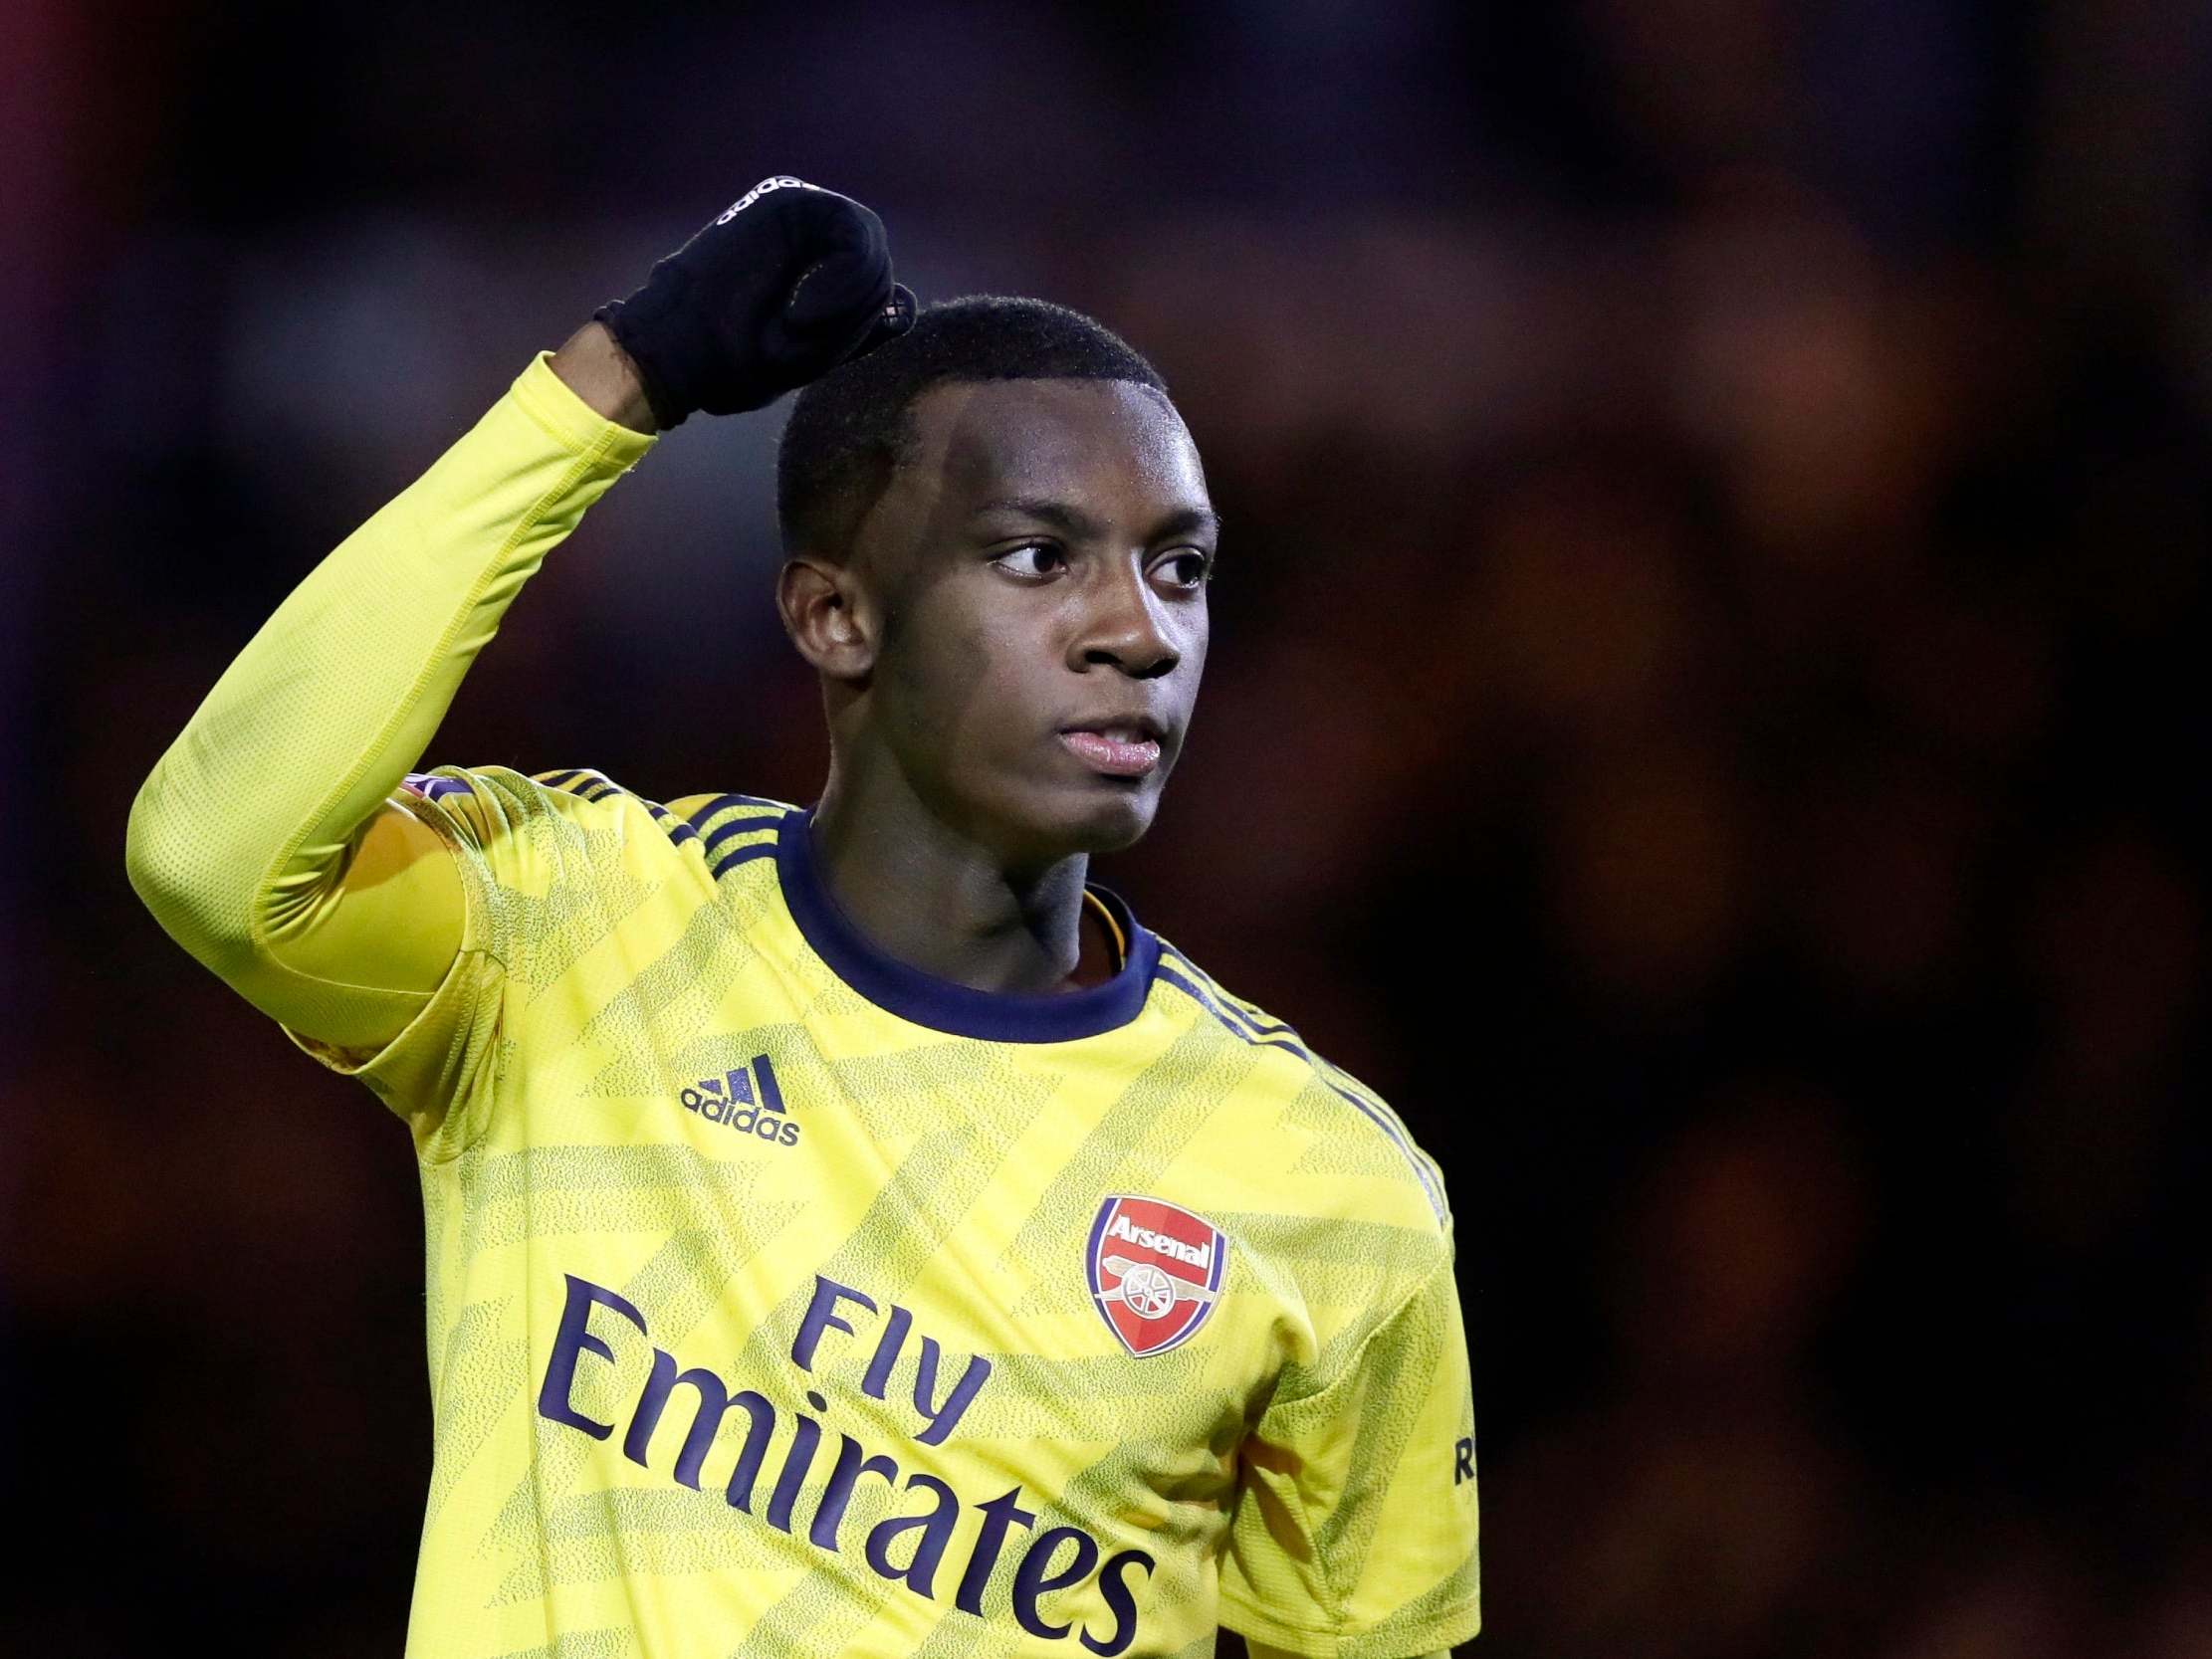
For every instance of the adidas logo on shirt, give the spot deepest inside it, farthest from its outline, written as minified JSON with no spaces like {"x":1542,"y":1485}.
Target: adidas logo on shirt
{"x":747,"y":1101}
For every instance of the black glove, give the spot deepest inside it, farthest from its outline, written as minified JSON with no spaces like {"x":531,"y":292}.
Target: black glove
{"x":786,"y":282}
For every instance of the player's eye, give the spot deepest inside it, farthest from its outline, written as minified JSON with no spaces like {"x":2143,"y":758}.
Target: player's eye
{"x":1188,"y":568}
{"x":1033,"y":559}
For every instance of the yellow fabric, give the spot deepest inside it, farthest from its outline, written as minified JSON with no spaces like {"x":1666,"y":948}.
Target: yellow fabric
{"x":261,"y":840}
{"x":827,"y":1376}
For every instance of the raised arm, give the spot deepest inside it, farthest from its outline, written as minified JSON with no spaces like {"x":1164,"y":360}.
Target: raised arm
{"x":268,"y":841}
{"x":274,"y":840}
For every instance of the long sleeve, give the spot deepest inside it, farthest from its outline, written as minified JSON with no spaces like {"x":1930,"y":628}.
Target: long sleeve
{"x":269,"y":841}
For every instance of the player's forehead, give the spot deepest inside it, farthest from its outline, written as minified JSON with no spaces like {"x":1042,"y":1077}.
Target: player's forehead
{"x":1112,"y":445}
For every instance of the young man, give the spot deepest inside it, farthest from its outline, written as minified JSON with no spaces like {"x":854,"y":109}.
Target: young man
{"x":851,"y":1230}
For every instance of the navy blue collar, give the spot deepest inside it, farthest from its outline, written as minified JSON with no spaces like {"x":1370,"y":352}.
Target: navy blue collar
{"x":944,"y":1004}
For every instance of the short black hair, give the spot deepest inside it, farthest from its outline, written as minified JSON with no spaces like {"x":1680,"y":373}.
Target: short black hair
{"x":849,"y":430}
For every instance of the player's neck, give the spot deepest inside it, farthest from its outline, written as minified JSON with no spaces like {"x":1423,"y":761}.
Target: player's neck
{"x":937,"y":901}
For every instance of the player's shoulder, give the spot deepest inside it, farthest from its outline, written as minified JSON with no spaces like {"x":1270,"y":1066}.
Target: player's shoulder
{"x":720,"y":824}
{"x":493,"y":799}
{"x":508,"y":783}
{"x":1333,"y":1100}
{"x":729,"y":829}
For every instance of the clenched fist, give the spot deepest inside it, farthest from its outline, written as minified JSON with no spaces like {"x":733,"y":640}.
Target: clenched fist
{"x":786,"y":282}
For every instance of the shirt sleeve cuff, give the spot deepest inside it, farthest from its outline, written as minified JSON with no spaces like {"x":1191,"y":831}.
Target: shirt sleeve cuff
{"x":578,"y":428}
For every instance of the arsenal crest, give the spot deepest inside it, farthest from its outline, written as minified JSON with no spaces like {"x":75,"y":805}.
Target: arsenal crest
{"x":1155,"y":1271}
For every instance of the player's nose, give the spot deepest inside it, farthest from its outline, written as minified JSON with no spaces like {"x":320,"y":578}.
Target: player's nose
{"x":1126,"y":625}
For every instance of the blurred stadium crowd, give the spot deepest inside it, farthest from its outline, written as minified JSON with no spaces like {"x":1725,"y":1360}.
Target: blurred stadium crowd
{"x":1705,"y":717}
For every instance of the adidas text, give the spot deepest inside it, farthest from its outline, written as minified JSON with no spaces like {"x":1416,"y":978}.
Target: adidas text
{"x":745,"y":1100}
{"x":780,"y":181}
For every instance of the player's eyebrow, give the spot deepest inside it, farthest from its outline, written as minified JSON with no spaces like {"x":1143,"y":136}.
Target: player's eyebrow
{"x":1072,"y":520}
{"x":1189,"y":521}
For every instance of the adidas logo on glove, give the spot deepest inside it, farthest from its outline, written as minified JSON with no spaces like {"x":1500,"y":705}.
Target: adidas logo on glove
{"x":781,"y":181}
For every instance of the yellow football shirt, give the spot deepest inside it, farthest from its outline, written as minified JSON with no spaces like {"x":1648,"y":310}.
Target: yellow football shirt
{"x":785,"y":1300}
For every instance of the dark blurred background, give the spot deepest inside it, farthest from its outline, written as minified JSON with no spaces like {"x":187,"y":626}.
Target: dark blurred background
{"x":1705,"y":715}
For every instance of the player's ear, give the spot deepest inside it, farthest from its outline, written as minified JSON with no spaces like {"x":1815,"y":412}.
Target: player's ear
{"x":829,"y":615}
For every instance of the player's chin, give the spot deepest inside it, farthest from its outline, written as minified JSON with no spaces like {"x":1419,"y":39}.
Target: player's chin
{"x":1098,"y":814}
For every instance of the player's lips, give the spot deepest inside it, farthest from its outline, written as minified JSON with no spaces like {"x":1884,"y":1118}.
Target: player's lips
{"x":1125,"y":746}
